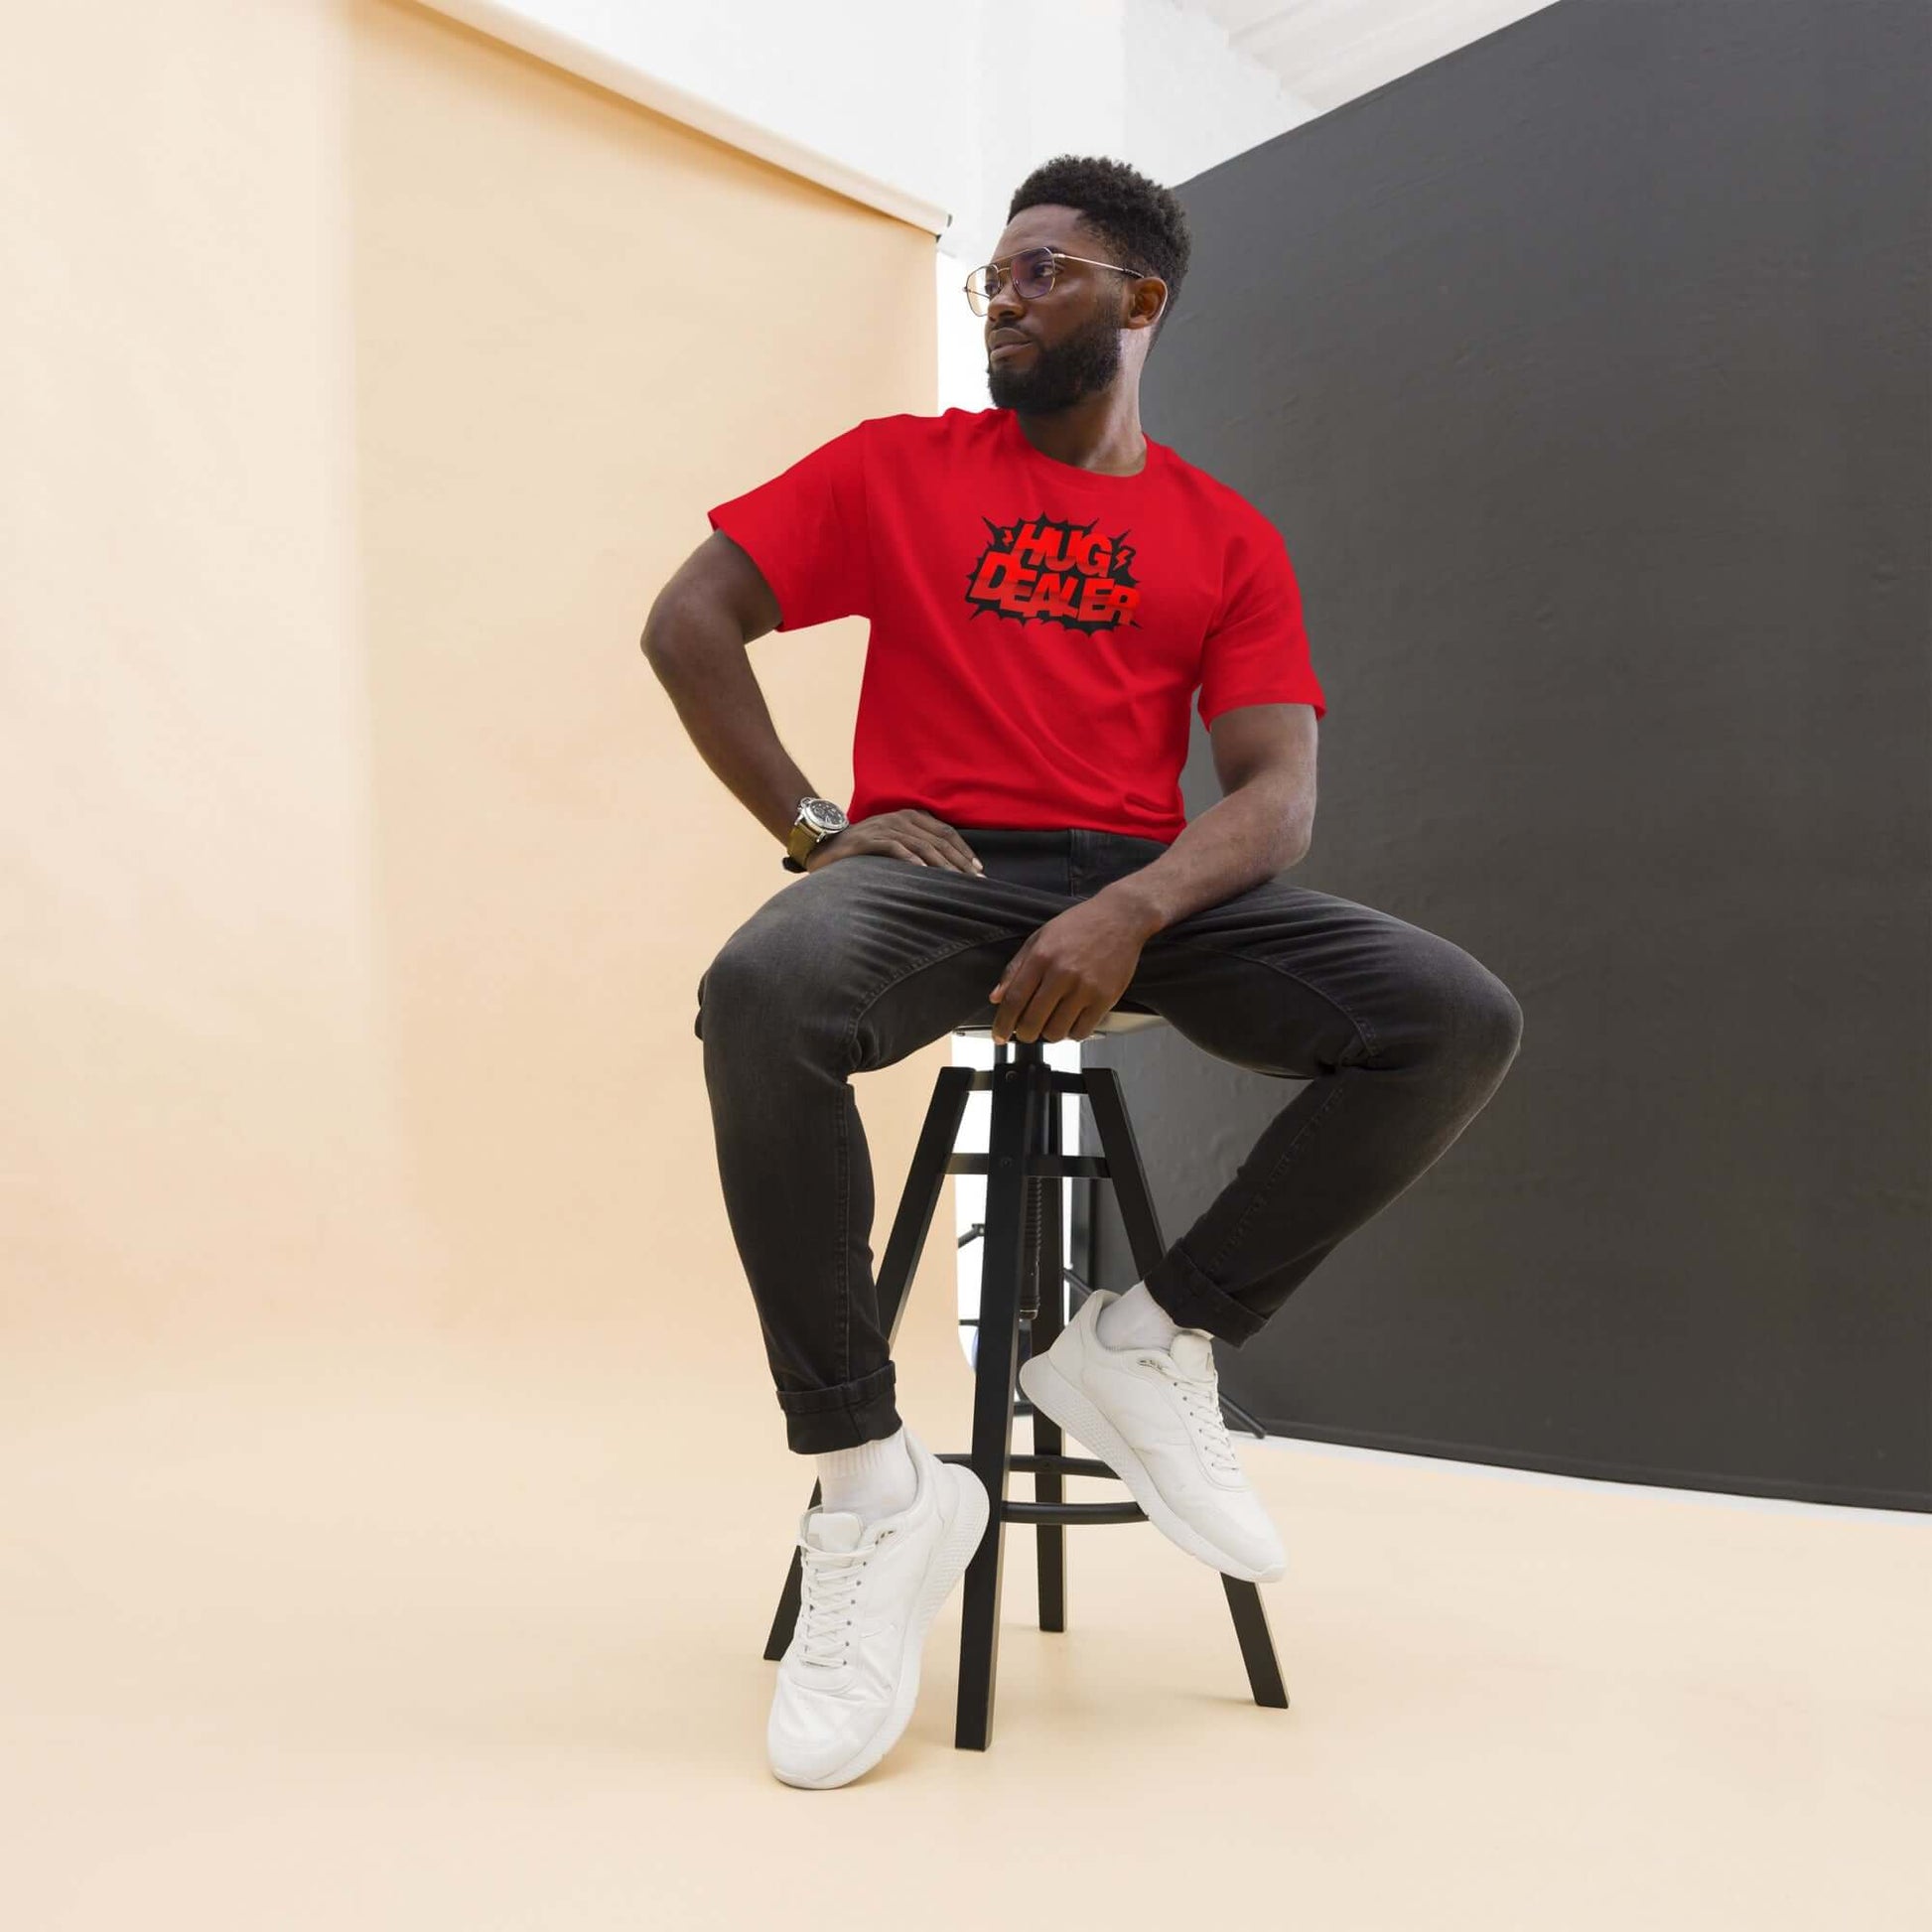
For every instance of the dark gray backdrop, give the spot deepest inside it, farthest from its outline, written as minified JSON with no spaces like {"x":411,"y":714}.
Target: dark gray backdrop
{"x":1585,"y":374}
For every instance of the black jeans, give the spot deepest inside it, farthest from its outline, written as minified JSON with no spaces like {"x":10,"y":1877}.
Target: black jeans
{"x":1400,"y":1036}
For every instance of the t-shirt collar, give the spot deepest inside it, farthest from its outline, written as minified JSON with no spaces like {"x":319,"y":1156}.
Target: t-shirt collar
{"x":1073,"y":472}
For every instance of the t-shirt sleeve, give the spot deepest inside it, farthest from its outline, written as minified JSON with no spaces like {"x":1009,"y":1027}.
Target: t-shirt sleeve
{"x":806,"y":530}
{"x":1257,"y":649}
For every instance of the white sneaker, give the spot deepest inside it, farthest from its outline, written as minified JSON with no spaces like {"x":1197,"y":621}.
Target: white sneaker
{"x":1154,"y":1417}
{"x":850,"y":1677}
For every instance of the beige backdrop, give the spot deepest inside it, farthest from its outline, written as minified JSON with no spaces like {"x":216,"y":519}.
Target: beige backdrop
{"x":369,"y":379}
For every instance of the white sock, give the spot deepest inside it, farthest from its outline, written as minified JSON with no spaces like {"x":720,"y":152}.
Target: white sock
{"x":1137,"y":1321}
{"x":874,"y":1479}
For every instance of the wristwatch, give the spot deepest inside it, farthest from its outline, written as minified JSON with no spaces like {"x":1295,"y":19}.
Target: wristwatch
{"x":817,"y":820}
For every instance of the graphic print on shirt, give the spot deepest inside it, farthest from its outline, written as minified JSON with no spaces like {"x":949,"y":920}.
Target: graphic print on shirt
{"x":1068,"y":573}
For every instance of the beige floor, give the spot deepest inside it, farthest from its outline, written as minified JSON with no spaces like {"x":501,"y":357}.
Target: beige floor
{"x":419,"y":1633}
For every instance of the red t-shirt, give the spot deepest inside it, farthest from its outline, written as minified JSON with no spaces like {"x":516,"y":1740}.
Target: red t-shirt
{"x":1037,"y":629}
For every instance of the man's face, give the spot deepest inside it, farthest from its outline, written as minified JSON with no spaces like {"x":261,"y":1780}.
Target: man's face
{"x":1073,"y":346}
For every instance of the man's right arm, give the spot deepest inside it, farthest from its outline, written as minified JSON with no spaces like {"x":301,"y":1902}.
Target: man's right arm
{"x":695,"y":639}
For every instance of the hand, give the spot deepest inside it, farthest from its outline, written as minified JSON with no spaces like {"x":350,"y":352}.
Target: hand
{"x":909,"y":834}
{"x":1068,"y":976}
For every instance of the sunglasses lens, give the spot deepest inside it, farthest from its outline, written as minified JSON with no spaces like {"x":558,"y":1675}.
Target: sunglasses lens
{"x":1032,"y":273}
{"x":1032,"y":277}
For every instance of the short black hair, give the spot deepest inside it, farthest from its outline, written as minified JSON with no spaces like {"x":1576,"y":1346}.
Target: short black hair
{"x":1135,"y":216}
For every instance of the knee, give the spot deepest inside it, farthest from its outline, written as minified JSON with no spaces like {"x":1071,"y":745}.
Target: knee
{"x":1464,"y":1015}
{"x":740,"y":981}
{"x":766,"y":992}
{"x":1485,"y":1017}
{"x":1507,"y":1019}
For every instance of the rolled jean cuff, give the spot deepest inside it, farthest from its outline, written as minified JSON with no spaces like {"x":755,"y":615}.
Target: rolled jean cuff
{"x":1193,"y":1300}
{"x":841,"y":1417}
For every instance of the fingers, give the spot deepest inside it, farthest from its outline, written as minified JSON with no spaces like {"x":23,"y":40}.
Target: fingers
{"x":915,"y":836}
{"x":928,"y":852}
{"x":1065,"y":1019}
{"x":958,"y":852}
{"x":1067,"y":1023}
{"x":1042,"y":1019}
{"x":944,"y":853}
{"x":921,"y":839}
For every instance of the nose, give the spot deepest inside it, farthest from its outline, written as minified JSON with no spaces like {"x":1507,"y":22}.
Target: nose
{"x":1003,"y":308}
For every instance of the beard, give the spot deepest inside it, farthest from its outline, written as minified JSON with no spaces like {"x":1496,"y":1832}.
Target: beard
{"x":1082,"y":364}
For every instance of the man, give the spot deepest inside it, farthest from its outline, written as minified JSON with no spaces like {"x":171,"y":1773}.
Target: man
{"x":1049,"y":587}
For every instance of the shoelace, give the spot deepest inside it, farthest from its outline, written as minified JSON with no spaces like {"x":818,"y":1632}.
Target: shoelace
{"x":1201,"y":1400}
{"x":830,"y":1590}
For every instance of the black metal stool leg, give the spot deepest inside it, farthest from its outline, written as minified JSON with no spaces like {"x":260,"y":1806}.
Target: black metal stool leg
{"x":923,"y":1183}
{"x":1015,"y":1093}
{"x":1257,"y":1646}
{"x":1136,"y":1202}
{"x":1050,"y":1318}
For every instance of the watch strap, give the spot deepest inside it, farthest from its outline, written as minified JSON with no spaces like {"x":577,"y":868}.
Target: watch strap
{"x":802,"y":841}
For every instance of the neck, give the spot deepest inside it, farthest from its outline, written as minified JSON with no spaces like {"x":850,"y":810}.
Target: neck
{"x":1100,"y":433}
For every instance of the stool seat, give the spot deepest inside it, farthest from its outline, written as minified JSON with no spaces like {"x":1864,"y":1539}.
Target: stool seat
{"x":1121,"y":1020}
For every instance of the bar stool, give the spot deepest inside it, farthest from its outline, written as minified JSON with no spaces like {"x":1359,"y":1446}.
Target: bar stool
{"x":1023,"y":1287}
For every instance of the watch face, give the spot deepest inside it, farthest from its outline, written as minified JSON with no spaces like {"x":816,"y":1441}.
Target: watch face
{"x":823,"y":814}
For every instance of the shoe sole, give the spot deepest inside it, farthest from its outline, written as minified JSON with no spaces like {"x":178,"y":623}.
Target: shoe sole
{"x":972,"y":1508}
{"x":1051,"y":1392}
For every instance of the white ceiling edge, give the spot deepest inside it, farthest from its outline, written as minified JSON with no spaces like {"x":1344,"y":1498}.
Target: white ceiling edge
{"x":598,"y":61}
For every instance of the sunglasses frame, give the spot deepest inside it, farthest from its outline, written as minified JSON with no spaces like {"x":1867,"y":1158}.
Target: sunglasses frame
{"x":1057,"y":256}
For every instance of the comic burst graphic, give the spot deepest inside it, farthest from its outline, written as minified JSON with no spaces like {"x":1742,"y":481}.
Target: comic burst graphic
{"x":1059,"y":573}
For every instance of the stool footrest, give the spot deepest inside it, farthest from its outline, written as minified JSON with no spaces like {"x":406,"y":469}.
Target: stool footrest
{"x":1023,"y":1464}
{"x":1088,"y":1166}
{"x":1013,"y":1510}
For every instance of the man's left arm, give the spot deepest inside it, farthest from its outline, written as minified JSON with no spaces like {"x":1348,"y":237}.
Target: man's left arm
{"x":1264,"y":757}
